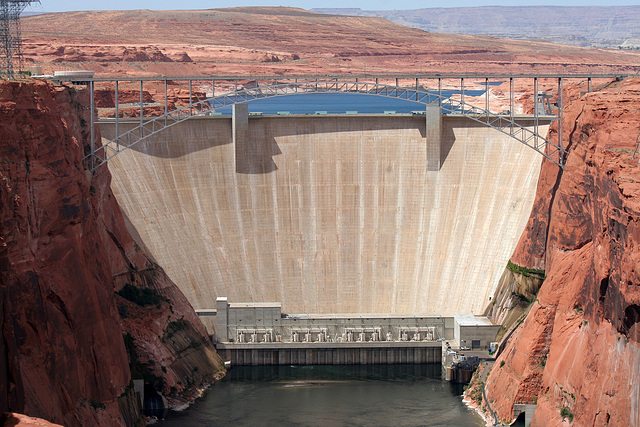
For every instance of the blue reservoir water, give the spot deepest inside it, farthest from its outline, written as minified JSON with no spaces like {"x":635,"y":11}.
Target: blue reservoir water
{"x":370,"y":395}
{"x":337,"y":103}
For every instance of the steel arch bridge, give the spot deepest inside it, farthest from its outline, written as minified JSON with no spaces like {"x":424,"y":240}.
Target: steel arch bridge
{"x":502,"y":122}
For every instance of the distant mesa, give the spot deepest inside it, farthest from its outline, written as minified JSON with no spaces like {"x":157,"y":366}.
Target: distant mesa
{"x":147,"y":53}
{"x":184,"y":57}
{"x":597,"y":26}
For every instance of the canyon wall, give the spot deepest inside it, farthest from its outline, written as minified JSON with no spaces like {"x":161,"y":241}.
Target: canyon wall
{"x":83,"y":309}
{"x":577,"y":351}
{"x":330,"y":214}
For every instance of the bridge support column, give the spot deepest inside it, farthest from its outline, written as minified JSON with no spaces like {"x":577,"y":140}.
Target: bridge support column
{"x":240,"y":125}
{"x":434,"y":136}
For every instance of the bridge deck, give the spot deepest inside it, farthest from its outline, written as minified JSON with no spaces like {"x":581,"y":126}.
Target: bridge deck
{"x":518,"y":117}
{"x":420,"y":76}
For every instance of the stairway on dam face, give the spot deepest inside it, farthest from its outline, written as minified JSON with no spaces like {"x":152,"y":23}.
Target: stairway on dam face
{"x":330,"y":214}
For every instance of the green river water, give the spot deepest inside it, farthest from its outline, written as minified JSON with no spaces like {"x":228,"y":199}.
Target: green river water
{"x":365,"y":395}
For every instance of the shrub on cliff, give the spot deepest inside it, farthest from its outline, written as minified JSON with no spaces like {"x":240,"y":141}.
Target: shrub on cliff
{"x":526,"y":272}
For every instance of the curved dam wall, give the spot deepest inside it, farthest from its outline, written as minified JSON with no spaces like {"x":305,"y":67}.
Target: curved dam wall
{"x":330,"y":214}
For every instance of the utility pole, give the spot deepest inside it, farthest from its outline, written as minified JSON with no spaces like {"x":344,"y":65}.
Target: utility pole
{"x":10,"y":41}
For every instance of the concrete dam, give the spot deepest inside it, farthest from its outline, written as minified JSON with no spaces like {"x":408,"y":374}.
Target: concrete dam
{"x":330,"y":214}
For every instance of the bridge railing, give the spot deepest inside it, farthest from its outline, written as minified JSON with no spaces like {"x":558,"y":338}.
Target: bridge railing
{"x":505,"y":123}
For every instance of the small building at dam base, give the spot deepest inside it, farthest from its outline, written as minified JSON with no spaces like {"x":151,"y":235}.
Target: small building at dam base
{"x":261,"y":334}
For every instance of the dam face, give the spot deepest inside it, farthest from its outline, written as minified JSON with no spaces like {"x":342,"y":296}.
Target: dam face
{"x":330,"y":214}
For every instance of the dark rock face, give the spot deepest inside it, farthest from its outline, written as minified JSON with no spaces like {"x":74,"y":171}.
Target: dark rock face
{"x":64,"y":252}
{"x":578,"y":348}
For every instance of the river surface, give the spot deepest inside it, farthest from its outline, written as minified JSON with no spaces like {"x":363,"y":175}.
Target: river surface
{"x":329,"y":395}
{"x":337,"y":103}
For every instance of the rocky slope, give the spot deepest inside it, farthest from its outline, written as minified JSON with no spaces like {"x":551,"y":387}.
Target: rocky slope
{"x":9,"y":419}
{"x":577,"y":352}
{"x":83,"y":308}
{"x":285,"y":40}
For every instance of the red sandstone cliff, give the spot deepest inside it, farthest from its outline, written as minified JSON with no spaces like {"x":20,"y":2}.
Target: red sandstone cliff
{"x":79,"y":300}
{"x":577,"y":352}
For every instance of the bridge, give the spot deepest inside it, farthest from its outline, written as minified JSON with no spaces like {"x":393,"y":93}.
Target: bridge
{"x":327,"y":213}
{"x":524,"y":128}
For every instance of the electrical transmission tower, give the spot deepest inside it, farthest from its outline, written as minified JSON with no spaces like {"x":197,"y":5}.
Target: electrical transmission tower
{"x":10,"y":42}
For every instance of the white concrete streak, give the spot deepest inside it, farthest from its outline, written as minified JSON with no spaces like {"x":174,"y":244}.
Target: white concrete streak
{"x":349,"y":220}
{"x":362,"y":266}
{"x":238,"y":248}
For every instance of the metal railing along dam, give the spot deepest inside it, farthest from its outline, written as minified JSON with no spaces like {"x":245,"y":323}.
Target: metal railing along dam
{"x":328,"y":214}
